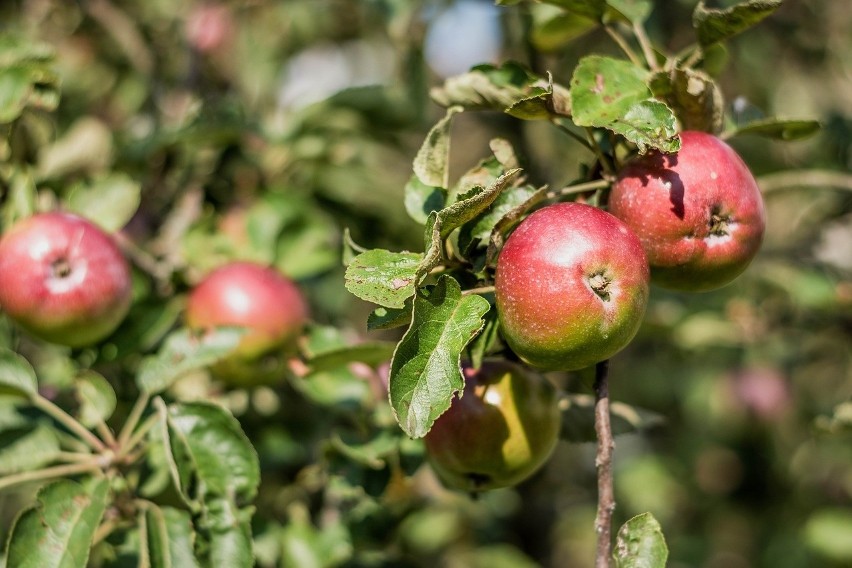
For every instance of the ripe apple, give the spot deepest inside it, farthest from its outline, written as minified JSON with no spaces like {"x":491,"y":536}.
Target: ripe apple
{"x":571,"y":287}
{"x":63,"y":279}
{"x":698,"y":212}
{"x":500,"y":432}
{"x":260,"y":299}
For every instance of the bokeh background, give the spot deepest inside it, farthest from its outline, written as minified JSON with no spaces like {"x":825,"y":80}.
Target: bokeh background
{"x":299,"y":119}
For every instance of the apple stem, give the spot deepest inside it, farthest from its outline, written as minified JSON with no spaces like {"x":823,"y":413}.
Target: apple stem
{"x":132,"y":420}
{"x":603,"y":463}
{"x":50,"y":472}
{"x":69,"y":422}
{"x":625,"y":47}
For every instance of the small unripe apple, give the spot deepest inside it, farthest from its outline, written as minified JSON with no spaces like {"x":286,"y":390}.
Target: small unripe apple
{"x":698,"y":212}
{"x":63,"y":279}
{"x":500,"y":432}
{"x":259,"y":298}
{"x":571,"y":287}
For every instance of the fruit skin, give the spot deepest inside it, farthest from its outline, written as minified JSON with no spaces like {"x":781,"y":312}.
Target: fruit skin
{"x":698,"y":213}
{"x":571,"y":287}
{"x":500,"y":432}
{"x":259,"y":298}
{"x":63,"y":279}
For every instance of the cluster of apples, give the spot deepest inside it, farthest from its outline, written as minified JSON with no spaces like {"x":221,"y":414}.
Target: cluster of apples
{"x":65,"y":280}
{"x":571,"y":288}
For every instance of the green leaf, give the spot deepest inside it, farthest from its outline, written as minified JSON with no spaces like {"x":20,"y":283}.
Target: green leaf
{"x":305,"y":546}
{"x":612,"y":93}
{"x":829,"y":533}
{"x":27,"y":447}
{"x":486,"y":87}
{"x":473,"y":203}
{"x":370,"y":453}
{"x":389,"y":318}
{"x":383,"y":277}
{"x":640,"y":544}
{"x":422,"y":199}
{"x":227,"y":529}
{"x":426,"y":368}
{"x":649,"y":123}
{"x":171,"y":538}
{"x":778,"y":129}
{"x":210,"y":456}
{"x":96,"y":397}
{"x":578,"y":418}
{"x":631,"y":10}
{"x":480,"y":228}
{"x":86,"y":146}
{"x":14,"y":91}
{"x":17,"y":376}
{"x":713,"y":26}
{"x":553,"y":30}
{"x":372,"y":353}
{"x":593,"y":9}
{"x":483,"y":343}
{"x":57,"y":532}
{"x":183,"y":352}
{"x":509,"y":220}
{"x":431,"y":165}
{"x":693,"y":96}
{"x":109,"y":201}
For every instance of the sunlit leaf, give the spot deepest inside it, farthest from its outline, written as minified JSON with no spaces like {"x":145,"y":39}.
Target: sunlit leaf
{"x":612,"y":93}
{"x":96,"y":397}
{"x":209,"y":453}
{"x":631,"y":10}
{"x":693,"y":96}
{"x":778,"y":129}
{"x":713,"y":25}
{"x":227,"y":530}
{"x":171,"y":538}
{"x":370,"y":352}
{"x":383,"y":277}
{"x":57,"y":532}
{"x":17,"y":376}
{"x":27,"y":447}
{"x":184,"y":352}
{"x":640,"y":544}
{"x":426,"y":368}
{"x":431,"y":165}
{"x":421,"y":199}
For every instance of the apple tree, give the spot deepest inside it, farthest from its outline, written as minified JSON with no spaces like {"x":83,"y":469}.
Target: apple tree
{"x":284,"y":284}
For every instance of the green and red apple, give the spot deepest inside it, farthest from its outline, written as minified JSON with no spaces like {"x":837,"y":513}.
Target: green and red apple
{"x":259,"y":298}
{"x":63,"y":279}
{"x":500,"y":432}
{"x":571,"y":287}
{"x":698,"y":212}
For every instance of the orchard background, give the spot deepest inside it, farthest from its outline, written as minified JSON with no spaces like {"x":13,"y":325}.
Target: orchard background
{"x":284,"y":132}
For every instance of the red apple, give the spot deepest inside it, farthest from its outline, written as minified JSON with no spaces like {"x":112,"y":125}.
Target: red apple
{"x":698,"y":212}
{"x":63,"y":279}
{"x":500,"y":432}
{"x":571,"y":287}
{"x":258,"y":298}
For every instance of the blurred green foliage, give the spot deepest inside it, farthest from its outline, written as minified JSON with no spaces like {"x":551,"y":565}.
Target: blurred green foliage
{"x":264,"y":129}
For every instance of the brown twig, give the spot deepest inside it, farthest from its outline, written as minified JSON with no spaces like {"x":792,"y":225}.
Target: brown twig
{"x":603,"y":463}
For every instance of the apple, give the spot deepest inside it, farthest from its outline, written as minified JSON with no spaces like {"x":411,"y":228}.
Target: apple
{"x":63,"y":279}
{"x":571,"y":287}
{"x":259,"y":298}
{"x":500,"y":432}
{"x":698,"y":212}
